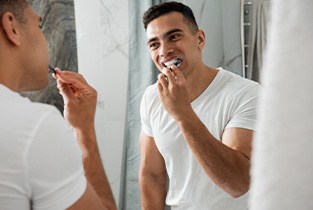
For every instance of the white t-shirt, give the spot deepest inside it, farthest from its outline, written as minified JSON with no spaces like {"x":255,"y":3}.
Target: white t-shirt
{"x":229,"y":101}
{"x":40,"y":160}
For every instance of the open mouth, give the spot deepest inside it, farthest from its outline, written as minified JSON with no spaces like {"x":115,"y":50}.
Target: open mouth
{"x":176,"y":61}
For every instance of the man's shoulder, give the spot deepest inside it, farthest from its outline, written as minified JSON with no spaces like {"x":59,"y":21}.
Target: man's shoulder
{"x":21,"y":118}
{"x":237,"y":83}
{"x":21,"y":110}
{"x":150,"y":99}
{"x":235,"y":88}
{"x":37,"y":108}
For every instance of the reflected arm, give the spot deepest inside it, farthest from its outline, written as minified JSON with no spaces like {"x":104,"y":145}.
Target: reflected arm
{"x":227,"y":163}
{"x":80,"y":101}
{"x":152,"y":175}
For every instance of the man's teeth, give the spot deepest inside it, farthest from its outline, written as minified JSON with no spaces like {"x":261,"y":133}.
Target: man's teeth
{"x":176,"y":62}
{"x":170,"y":63}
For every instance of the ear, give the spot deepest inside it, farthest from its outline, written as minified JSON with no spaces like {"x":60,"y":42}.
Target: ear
{"x":11,"y":28}
{"x":201,"y":39}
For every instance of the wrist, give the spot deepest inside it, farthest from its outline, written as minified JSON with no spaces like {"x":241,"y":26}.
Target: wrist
{"x":85,"y":131}
{"x":189,"y":117}
{"x":86,"y":137}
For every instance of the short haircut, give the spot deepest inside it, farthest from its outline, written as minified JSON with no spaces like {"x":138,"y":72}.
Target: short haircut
{"x":168,"y":7}
{"x":17,"y":7}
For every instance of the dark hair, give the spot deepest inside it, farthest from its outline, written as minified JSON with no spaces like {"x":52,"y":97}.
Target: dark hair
{"x":168,"y":7}
{"x":17,"y":7}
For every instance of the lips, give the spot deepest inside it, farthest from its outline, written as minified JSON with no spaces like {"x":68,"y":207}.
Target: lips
{"x":176,"y":61}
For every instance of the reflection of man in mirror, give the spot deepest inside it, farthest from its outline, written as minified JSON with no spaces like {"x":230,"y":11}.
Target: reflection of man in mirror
{"x":197,"y":121}
{"x":41,"y":155}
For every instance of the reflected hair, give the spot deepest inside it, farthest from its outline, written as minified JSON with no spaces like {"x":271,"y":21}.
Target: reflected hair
{"x":168,"y":7}
{"x":17,"y":7}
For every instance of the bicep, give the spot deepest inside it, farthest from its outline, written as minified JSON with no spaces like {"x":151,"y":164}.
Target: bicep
{"x":239,"y":139}
{"x":89,"y":200}
{"x":152,"y":161}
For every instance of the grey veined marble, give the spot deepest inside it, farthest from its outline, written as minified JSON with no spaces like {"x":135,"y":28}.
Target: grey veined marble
{"x":58,"y":21}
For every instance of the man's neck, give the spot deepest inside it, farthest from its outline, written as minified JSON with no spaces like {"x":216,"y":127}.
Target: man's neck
{"x":10,"y":71}
{"x":6,"y":80}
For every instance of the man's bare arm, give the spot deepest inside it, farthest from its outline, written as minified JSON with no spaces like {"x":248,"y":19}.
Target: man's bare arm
{"x":79,"y":110}
{"x":227,"y":163}
{"x":152,"y":175}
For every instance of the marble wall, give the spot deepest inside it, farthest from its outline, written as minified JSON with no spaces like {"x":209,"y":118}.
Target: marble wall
{"x":220,"y":19}
{"x":58,"y":20}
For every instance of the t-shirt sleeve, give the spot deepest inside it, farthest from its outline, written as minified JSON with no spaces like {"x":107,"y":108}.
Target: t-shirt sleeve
{"x":55,"y":174}
{"x":145,"y":122}
{"x":245,"y":109}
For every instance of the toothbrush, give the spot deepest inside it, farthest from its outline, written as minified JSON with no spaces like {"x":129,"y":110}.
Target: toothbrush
{"x":52,"y":70}
{"x":177,"y":62}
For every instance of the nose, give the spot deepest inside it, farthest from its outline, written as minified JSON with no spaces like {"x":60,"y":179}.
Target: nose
{"x":166,"y":50}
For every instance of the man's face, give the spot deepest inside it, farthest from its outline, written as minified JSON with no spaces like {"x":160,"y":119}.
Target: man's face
{"x":34,"y":53}
{"x":169,"y":37}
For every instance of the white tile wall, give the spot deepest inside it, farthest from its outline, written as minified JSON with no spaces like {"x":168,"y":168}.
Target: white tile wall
{"x":102,"y":42}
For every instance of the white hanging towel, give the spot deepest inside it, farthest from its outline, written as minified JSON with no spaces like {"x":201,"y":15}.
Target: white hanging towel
{"x":282,"y":163}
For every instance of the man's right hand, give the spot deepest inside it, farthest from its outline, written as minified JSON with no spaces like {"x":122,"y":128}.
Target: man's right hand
{"x":80,"y":99}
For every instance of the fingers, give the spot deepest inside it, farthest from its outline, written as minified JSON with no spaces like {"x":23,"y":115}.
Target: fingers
{"x":70,"y":77}
{"x":178,"y":74}
{"x":162,"y":80}
{"x":172,"y":76}
{"x":168,"y":73}
{"x":67,"y":91}
{"x":71,"y":82}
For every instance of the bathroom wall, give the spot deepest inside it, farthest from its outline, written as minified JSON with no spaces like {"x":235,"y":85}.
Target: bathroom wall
{"x":220,"y":19}
{"x":102,"y":42}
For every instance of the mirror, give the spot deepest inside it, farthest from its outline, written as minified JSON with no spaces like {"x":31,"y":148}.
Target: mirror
{"x":105,"y":38}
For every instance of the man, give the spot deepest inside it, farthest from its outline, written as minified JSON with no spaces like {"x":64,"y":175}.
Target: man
{"x":197,"y":121}
{"x":41,"y":162}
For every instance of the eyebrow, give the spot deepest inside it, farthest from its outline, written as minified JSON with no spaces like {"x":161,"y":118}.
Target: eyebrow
{"x":165,"y":35}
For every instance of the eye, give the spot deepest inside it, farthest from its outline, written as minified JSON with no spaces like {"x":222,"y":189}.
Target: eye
{"x":153,"y":45}
{"x":174,"y":37}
